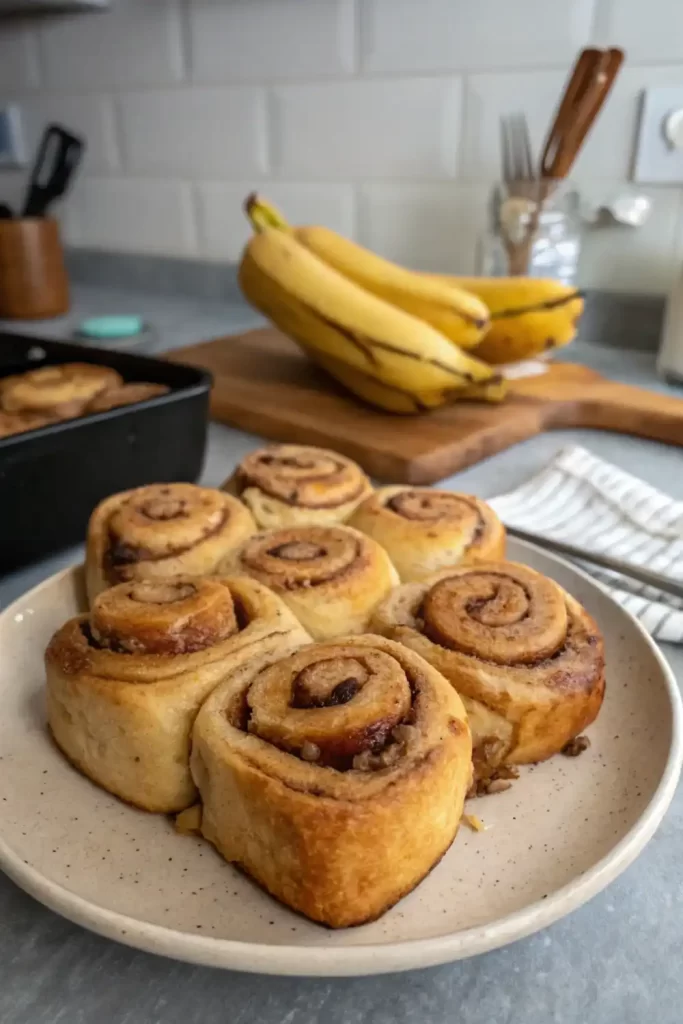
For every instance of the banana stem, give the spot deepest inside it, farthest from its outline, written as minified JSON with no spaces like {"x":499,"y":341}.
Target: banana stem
{"x":263,"y":214}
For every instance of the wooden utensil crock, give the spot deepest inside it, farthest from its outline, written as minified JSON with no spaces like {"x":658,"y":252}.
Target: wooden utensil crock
{"x":33,"y":281}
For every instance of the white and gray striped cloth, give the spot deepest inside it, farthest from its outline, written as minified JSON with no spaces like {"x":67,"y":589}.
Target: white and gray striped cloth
{"x":584,"y":501}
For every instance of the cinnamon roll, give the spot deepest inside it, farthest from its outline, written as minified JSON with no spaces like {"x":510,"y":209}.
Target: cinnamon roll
{"x":331,"y":577}
{"x":425,"y":530}
{"x":124,"y":394}
{"x":160,"y":531}
{"x":526,"y":658}
{"x":124,"y":684}
{"x":12,"y":423}
{"x":60,"y":392}
{"x":335,"y":777}
{"x":289,"y":484}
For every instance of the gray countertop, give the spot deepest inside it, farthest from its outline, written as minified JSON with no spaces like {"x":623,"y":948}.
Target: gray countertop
{"x":615,"y":961}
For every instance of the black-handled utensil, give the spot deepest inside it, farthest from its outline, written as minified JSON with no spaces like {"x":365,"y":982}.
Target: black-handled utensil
{"x":58,"y":156}
{"x":5,"y":211}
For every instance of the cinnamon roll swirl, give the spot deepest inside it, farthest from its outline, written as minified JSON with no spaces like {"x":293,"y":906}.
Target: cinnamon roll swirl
{"x":331,"y":577}
{"x":335,"y":777}
{"x":162,"y":530}
{"x":425,"y":530}
{"x":526,"y":658}
{"x":289,"y":484}
{"x":124,"y":684}
{"x":60,"y":392}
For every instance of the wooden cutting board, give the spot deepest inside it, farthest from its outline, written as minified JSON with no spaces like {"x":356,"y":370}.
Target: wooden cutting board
{"x":265,"y":385}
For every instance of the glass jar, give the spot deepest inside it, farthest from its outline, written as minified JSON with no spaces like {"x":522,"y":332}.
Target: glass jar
{"x":534,"y":229}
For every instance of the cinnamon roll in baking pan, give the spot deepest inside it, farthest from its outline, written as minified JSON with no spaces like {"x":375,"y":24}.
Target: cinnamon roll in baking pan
{"x":12,"y":423}
{"x":331,"y":577}
{"x":161,"y":530}
{"x":125,"y":394}
{"x":59,"y":392}
{"x":124,"y":684}
{"x":425,"y":530}
{"x":335,"y":777}
{"x":290,"y":484}
{"x":526,"y":658}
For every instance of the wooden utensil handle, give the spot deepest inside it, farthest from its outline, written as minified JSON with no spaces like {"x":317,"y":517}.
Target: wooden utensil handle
{"x":631,"y":410}
{"x":576,"y":83}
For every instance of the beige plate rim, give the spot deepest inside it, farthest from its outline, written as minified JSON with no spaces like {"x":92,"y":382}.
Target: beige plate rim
{"x":371,"y":959}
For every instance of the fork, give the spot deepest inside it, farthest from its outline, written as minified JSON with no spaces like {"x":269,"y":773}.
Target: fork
{"x":522,"y":185}
{"x":518,"y":165}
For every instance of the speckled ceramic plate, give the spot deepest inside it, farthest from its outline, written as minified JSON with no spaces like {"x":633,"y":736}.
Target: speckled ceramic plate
{"x":565,"y":830}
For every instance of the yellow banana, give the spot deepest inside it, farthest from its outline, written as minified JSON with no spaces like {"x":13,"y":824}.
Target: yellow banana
{"x":528,"y":315}
{"x":493,"y":390}
{"x":263,"y":214}
{"x":458,"y":314}
{"x":384,"y":396}
{"x":398,"y":400}
{"x":328,"y":314}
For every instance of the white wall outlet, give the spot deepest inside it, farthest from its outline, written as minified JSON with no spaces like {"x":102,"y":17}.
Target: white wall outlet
{"x":12,"y":152}
{"x":659,"y":152}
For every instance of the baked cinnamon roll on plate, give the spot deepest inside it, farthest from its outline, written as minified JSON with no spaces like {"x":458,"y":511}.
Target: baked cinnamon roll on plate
{"x":331,"y":577}
{"x":291,"y":484}
{"x":526,"y":658}
{"x":425,"y":530}
{"x":557,"y":837}
{"x":160,"y":531}
{"x":124,"y":684}
{"x":319,"y":772}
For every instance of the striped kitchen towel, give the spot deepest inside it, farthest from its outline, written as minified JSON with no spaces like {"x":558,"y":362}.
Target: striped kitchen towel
{"x":584,"y":501}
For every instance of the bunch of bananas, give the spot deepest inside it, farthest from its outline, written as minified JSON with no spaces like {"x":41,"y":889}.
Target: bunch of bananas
{"x":394,"y":337}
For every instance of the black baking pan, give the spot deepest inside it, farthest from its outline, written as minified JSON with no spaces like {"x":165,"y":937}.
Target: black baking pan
{"x":51,"y":478}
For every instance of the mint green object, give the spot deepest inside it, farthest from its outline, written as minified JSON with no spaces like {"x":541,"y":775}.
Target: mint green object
{"x":111,"y":326}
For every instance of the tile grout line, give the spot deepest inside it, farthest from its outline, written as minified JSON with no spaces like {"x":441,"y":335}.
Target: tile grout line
{"x":185,"y":42}
{"x":358,"y":15}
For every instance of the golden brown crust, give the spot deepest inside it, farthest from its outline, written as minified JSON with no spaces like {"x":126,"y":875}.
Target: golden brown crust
{"x":525,"y":657}
{"x":125,"y":394}
{"x":290,"y":484}
{"x":337,"y":798}
{"x":60,"y":392}
{"x":162,"y":530}
{"x":125,"y":683}
{"x":426,"y":530}
{"x":12,"y":423}
{"x":330,"y":576}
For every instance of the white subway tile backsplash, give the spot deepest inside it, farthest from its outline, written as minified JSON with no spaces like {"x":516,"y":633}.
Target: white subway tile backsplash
{"x":270,"y":39}
{"x":133,"y":43}
{"x":488,"y":97}
{"x":609,"y":150}
{"x":428,"y":227}
{"x":632,"y":259}
{"x":89,"y":116}
{"x":18,"y":58}
{"x":12,"y":188}
{"x":403,"y":128}
{"x":651,"y":31}
{"x":131,"y":215}
{"x":451,"y":35}
{"x":223,"y":227}
{"x":196,"y":132}
{"x":379,"y":118}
